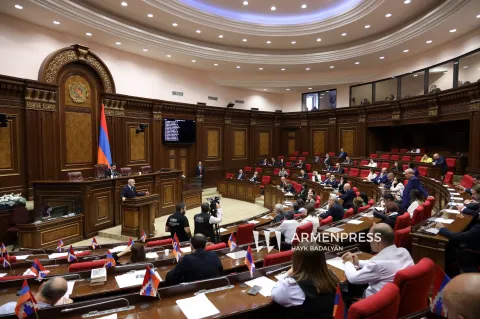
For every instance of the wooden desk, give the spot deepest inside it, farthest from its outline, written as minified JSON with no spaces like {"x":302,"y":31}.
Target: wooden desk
{"x":239,"y":189}
{"x":99,"y":199}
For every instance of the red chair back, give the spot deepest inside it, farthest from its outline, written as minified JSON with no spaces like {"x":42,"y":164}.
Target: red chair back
{"x":288,"y":164}
{"x":295,"y":153}
{"x":301,"y":158}
{"x":432,"y":201}
{"x":414,"y":283}
{"x":405,"y":166}
{"x":304,"y":153}
{"x":403,"y":150}
{"x":406,"y":158}
{"x":451,"y":164}
{"x":403,"y":238}
{"x":245,"y":234}
{"x":364,"y":173}
{"x":373,"y":155}
{"x":353,"y":172}
{"x":146,"y":169}
{"x":280,"y":157}
{"x":125,"y":171}
{"x":229,"y":175}
{"x":417,"y":216}
{"x":326,"y":221}
{"x":247,"y":169}
{"x":317,"y":203}
{"x":394,"y":150}
{"x":74,"y":177}
{"x":331,"y":153}
{"x":384,"y":156}
{"x":385,"y":165}
{"x":422,"y":170}
{"x":276,"y":171}
{"x":467,"y":181}
{"x":87,"y":265}
{"x":216,"y":247}
{"x":418,"y":158}
{"x":303,"y":229}
{"x":394,"y":157}
{"x":371,"y":202}
{"x":348,"y":213}
{"x":427,"y":209}
{"x":448,"y":179}
{"x":297,"y":187}
{"x":277,"y":258}
{"x":405,"y":182}
{"x":383,"y":304}
{"x":161,"y":242}
{"x":266,"y":179}
{"x":402,"y":221}
{"x":363,"y":208}
{"x":310,"y":176}
{"x":363,"y":163}
{"x":345,"y":170}
{"x":308,"y":166}
{"x":258,"y":169}
{"x":355,"y":189}
{"x":292,"y":158}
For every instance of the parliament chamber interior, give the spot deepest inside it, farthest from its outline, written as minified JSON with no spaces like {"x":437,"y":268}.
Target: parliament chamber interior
{"x":240,"y":159}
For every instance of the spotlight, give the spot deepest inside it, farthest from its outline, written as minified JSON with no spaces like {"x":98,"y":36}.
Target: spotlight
{"x":141,"y":128}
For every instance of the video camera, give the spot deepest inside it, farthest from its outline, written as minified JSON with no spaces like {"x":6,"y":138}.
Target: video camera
{"x":213,"y":205}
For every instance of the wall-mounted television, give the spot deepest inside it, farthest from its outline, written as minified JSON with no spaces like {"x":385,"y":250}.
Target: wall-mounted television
{"x":178,"y":131}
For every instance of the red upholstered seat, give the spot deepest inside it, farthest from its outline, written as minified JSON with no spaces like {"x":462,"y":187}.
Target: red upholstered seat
{"x":258,"y":169}
{"x":432,"y":200}
{"x":394,"y":150}
{"x":414,"y":283}
{"x":326,"y":221}
{"x":345,"y":170}
{"x":265,"y":180}
{"x":297,"y":187}
{"x":402,"y":221}
{"x":161,"y":242}
{"x":348,"y":213}
{"x":448,"y":179}
{"x":216,"y":247}
{"x":7,"y":278}
{"x":301,"y":158}
{"x":74,"y":177}
{"x":385,"y":165}
{"x":364,"y":208}
{"x":276,"y":171}
{"x":418,"y":158}
{"x":403,"y":238}
{"x":304,"y":153}
{"x":303,"y":229}
{"x":383,"y":304}
{"x":99,"y":170}
{"x":451,"y":164}
{"x":247,"y":169}
{"x":363,"y":163}
{"x":310,"y":176}
{"x":467,"y":181}
{"x":146,"y":169}
{"x":317,"y":203}
{"x":292,"y":158}
{"x":125,"y":171}
{"x":403,"y":150}
{"x":308,"y":167}
{"x":417,"y":216}
{"x":288,"y":171}
{"x":357,"y":194}
{"x":364,"y":173}
{"x":277,"y":258}
{"x":373,"y":155}
{"x":353,"y":172}
{"x":11,"y":259}
{"x":288,"y":164}
{"x":422,"y":170}
{"x":280,"y":157}
{"x":78,"y":254}
{"x":384,"y":156}
{"x":245,"y":234}
{"x":371,"y":202}
{"x":406,"y":158}
{"x":229,"y":175}
{"x":427,"y":209}
{"x":295,"y":153}
{"x":405,"y":166}
{"x":86,"y":265}
{"x":394,"y":157}
{"x":405,"y":182}
{"x":355,"y":189}
{"x":331,"y":153}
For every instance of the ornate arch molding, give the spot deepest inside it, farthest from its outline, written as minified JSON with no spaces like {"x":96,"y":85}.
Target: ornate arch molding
{"x":52,"y":65}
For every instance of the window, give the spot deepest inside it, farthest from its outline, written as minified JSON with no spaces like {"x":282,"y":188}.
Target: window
{"x":361,"y":94}
{"x":386,"y":90}
{"x":440,"y":78}
{"x":469,"y":69}
{"x":413,"y":84}
{"x":322,"y":100}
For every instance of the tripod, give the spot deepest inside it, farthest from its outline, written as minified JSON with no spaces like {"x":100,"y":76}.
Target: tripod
{"x":216,"y":234}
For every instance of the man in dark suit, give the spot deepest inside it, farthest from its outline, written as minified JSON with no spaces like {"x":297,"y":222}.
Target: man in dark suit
{"x":347,"y":161}
{"x":264,"y":162}
{"x":413,"y":183}
{"x":112,"y":171}
{"x":281,"y":163}
{"x":327,"y":162}
{"x":390,"y":217}
{"x":472,"y":207}
{"x":255,"y":178}
{"x":199,"y":265}
{"x":338,"y":169}
{"x":199,"y":171}
{"x":286,"y":187}
{"x":273,"y":163}
{"x":389,"y":182}
{"x":300,"y":164}
{"x":381,"y":178}
{"x":334,"y":209}
{"x":348,"y":197}
{"x":389,"y":198}
{"x":129,"y":191}
{"x":343,"y":154}
{"x":303,"y":174}
{"x":240,"y":175}
{"x":332,"y":182}
{"x":440,"y":161}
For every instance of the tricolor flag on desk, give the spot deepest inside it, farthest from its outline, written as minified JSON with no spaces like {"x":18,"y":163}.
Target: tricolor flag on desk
{"x":3,"y":249}
{"x":232,"y":242}
{"x":60,"y":245}
{"x":441,"y":280}
{"x":130,"y":242}
{"x":26,"y":303}
{"x":38,"y":270}
{"x":94,"y":243}
{"x":150,"y":283}
{"x":144,"y":236}
{"x":249,"y":261}
{"x":110,"y":261}
{"x":6,"y":260}
{"x":339,"y":309}
{"x":104,"y":156}
{"x":71,"y":255}
{"x":177,"y":253}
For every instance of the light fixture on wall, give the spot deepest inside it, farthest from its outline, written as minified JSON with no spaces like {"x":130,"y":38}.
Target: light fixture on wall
{"x":141,"y":128}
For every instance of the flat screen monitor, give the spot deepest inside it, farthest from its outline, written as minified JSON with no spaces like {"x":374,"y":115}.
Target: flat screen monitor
{"x":178,"y":131}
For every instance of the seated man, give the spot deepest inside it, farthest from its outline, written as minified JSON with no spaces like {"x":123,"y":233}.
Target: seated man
{"x":198,"y":265}
{"x":316,"y":159}
{"x":342,"y":154}
{"x":389,"y":182}
{"x":288,"y":228}
{"x":381,"y":178}
{"x":380,"y":269}
{"x":240,"y":175}
{"x":264,"y":162}
{"x":280,"y":214}
{"x":303,"y":174}
{"x":273,"y":162}
{"x":390,"y":216}
{"x":49,"y":294}
{"x":348,"y":196}
{"x":334,"y":209}
{"x":338,"y":169}
{"x":332,"y":182}
{"x":284,"y":186}
{"x":327,"y":177}
{"x":112,"y":171}
{"x":281,"y":163}
{"x":440,"y":161}
{"x":300,"y":164}
{"x":347,"y":161}
{"x":472,"y":207}
{"x":389,"y":198}
{"x":255,"y":178}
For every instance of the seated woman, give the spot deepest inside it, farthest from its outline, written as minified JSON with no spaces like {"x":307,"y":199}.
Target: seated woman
{"x":304,"y":192}
{"x":312,"y":218}
{"x":396,"y":168}
{"x":426,"y":159}
{"x":315,"y":176}
{"x":372,"y":175}
{"x":416,"y":199}
{"x":136,"y":251}
{"x":357,"y":203}
{"x":309,"y":289}
{"x":372,"y":163}
{"x":397,"y":187}
{"x":283,"y":172}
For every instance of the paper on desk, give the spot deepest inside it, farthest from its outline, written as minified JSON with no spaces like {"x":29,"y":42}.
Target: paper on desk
{"x":369,"y":215}
{"x":112,"y":316}
{"x":453,"y":203}
{"x":355,"y":222}
{"x":197,"y":307}
{"x":221,"y":229}
{"x":151,"y":255}
{"x":57,"y":255}
{"x":444,"y":221}
{"x":134,"y":278}
{"x":21,"y":257}
{"x":118,"y":249}
{"x":456,"y":198}
{"x":379,"y":208}
{"x":446,"y":185}
{"x":451,"y":211}
{"x":334,"y":229}
{"x":451,"y":189}
{"x":456,"y":194}
{"x":3,"y":275}
{"x":267,"y":217}
{"x":267,"y":285}
{"x":253,"y":221}
{"x":70,"y":284}
{"x":336,"y":262}
{"x":433,"y":231}
{"x":238,"y":254}
{"x":187,"y":249}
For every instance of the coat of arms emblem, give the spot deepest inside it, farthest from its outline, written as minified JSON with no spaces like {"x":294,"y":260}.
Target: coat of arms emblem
{"x":78,"y":92}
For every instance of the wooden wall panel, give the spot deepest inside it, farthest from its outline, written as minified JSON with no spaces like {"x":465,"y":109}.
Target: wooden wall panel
{"x":318,"y":142}
{"x":7,"y":146}
{"x":240,"y":143}
{"x":264,"y":144}
{"x":291,"y":145}
{"x":214,"y":144}
{"x":78,"y":138}
{"x":138,"y":145}
{"x":348,"y":141}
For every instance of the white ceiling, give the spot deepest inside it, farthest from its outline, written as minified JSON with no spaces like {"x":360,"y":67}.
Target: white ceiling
{"x":409,"y":27}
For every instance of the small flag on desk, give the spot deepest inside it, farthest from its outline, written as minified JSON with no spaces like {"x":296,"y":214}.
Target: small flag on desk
{"x":38,"y":270}
{"x":94,"y":243}
{"x":441,"y":280}
{"x":339,"y":309}
{"x":3,"y":249}
{"x":130,"y":242}
{"x":60,"y":245}
{"x":175,"y":238}
{"x":6,"y":261}
{"x":26,"y":303}
{"x":109,"y":261}
{"x":232,"y":242}
{"x":71,"y":255}
{"x":249,"y":261}
{"x":144,"y":236}
{"x":177,"y":253}
{"x":150,"y":283}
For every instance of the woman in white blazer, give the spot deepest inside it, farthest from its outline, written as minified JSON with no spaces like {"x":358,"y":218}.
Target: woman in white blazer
{"x":372,"y":163}
{"x":372,"y":175}
{"x":397,"y":188}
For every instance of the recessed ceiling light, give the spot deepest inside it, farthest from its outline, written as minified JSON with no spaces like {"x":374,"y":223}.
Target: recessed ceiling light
{"x":388,"y":15}
{"x":415,"y":75}
{"x":56,"y":22}
{"x":124,"y":4}
{"x":244,"y":40}
{"x":321,"y":97}
{"x":321,"y":94}
{"x":215,"y":64}
{"x":304,"y":6}
{"x":118,"y":43}
{"x":88,"y":34}
{"x":150,"y":15}
{"x":260,"y":69}
{"x":326,"y":91}
{"x":318,"y":40}
{"x":478,"y":16}
{"x":293,"y":42}
{"x":453,"y":30}
{"x":344,"y":34}
{"x":367,"y":26}
{"x":331,"y":67}
{"x":407,"y":1}
{"x":357,"y":62}
{"x":198,"y":31}
{"x":245,"y":3}
{"x":19,"y":7}
{"x":174,"y":24}
{"x":264,"y":89}
{"x":382,"y":57}
{"x":287,"y":89}
{"x":273,"y":8}
{"x":308,"y":69}
{"x":405,"y":51}
{"x":194,"y":61}
{"x":221,"y":36}
{"x":283,"y":69}
{"x":466,"y":66}
{"x":145,"y":50}
{"x":169,"y":56}
{"x":429,"y":41}
{"x":310,"y":88}
{"x":238,"y":66}
{"x":268,"y":42}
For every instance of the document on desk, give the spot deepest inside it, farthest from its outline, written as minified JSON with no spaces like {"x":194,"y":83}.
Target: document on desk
{"x":457,"y":198}
{"x":267,"y":217}
{"x":3,"y":275}
{"x":237,"y":254}
{"x":134,"y":278}
{"x":221,"y":229}
{"x":334,"y":229}
{"x":187,"y":249}
{"x":21,"y":257}
{"x":369,"y":215}
{"x":70,"y":284}
{"x":253,"y":221}
{"x":151,"y":255}
{"x":453,"y":203}
{"x":57,"y":255}
{"x":451,"y":189}
{"x":380,"y":208}
{"x":432,"y":231}
{"x":118,"y":249}
{"x":444,"y":221}
{"x":456,"y":194}
{"x":197,"y":307}
{"x":336,"y":262}
{"x":451,"y":211}
{"x":355,"y":222}
{"x":267,"y":285}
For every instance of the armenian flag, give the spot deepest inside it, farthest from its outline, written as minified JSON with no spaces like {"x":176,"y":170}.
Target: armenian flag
{"x":249,"y":261}
{"x":38,"y":270}
{"x":177,"y":253}
{"x":94,"y":243}
{"x":109,"y":261}
{"x":232,"y":242}
{"x":150,"y":283}
{"x":175,"y":237}
{"x":71,"y":255}
{"x":3,"y":249}
{"x":339,"y":309}
{"x":26,"y":303}
{"x":60,"y":245}
{"x":130,"y":242}
{"x":144,"y":236}
{"x":6,"y":261}
{"x":441,"y":280}
{"x":104,"y":156}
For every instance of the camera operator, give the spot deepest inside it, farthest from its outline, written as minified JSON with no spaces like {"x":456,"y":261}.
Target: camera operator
{"x":205,"y":221}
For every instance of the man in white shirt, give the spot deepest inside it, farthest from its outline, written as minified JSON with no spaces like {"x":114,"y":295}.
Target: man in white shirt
{"x":288,"y":228}
{"x":381,"y":269}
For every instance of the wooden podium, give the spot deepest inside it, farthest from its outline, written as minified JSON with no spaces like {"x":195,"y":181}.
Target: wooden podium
{"x":139,"y":214}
